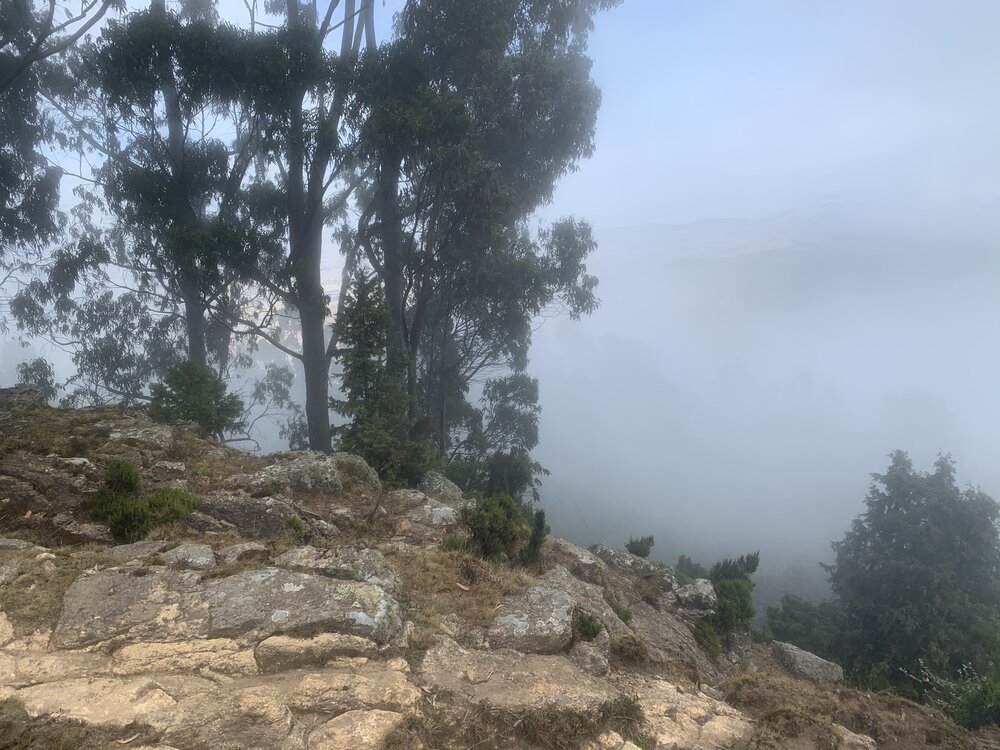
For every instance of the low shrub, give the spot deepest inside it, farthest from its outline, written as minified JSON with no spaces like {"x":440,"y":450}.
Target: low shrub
{"x":969,"y":699}
{"x":640,"y":547}
{"x":707,"y":638}
{"x":625,"y":716}
{"x":131,"y":517}
{"x":629,"y":647}
{"x":497,"y":524}
{"x":296,"y":529}
{"x":539,"y":530}
{"x":453,"y":542}
{"x":194,"y":393}
{"x":623,"y":612}
{"x":77,"y":446}
{"x":122,"y":477}
{"x":586,"y":626}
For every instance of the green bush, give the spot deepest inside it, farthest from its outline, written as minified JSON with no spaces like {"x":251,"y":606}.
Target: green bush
{"x":296,"y":529}
{"x":539,"y":530}
{"x":629,"y":646}
{"x":122,"y":477}
{"x":735,"y":608}
{"x":623,"y":612}
{"x":77,"y":446}
{"x":129,"y":516}
{"x":625,"y":716}
{"x":640,"y":547}
{"x":586,"y":626}
{"x":193,"y":393}
{"x":707,"y":637}
{"x":497,"y":524}
{"x":453,"y":542}
{"x":970,"y":699}
{"x":688,"y":570}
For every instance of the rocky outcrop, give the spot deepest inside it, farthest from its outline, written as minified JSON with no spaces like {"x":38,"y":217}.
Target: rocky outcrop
{"x":344,"y":563}
{"x":355,"y":730}
{"x":438,"y":487}
{"x":539,"y":621}
{"x":802,"y":663}
{"x":193,"y":556}
{"x":690,"y":719}
{"x":271,"y":600}
{"x":297,"y":470}
{"x":699,"y":594}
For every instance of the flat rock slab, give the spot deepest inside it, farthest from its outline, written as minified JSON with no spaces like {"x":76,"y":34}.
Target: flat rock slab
{"x":272,"y":600}
{"x":344,"y":563}
{"x":193,"y":556}
{"x":367,"y":686}
{"x":243,"y":551}
{"x":136,"y":551}
{"x":802,"y":663}
{"x":140,"y":604}
{"x":539,"y":621}
{"x":104,"y":701}
{"x":355,"y":730}
{"x":690,"y":719}
{"x":281,"y":653}
{"x":510,"y":680}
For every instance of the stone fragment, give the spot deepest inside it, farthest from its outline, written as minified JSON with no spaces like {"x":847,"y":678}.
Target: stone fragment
{"x":355,"y":730}
{"x":193,"y":556}
{"x":802,"y":663}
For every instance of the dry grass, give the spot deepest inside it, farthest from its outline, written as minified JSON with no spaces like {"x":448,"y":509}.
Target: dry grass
{"x":33,"y":600}
{"x":20,"y":731}
{"x":790,"y":711}
{"x":431,"y":577}
{"x":44,"y":430}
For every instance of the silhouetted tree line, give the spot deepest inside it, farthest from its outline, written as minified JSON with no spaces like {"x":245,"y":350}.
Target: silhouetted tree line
{"x":219,"y":164}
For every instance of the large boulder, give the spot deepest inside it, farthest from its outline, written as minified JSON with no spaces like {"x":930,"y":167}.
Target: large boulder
{"x":438,"y":487}
{"x":194,"y":556}
{"x":251,"y":517}
{"x":299,"y":470}
{"x":582,"y":563}
{"x":699,"y":594}
{"x":358,"y":469}
{"x":272,"y":600}
{"x":538,"y":621}
{"x":629,"y":564}
{"x":802,"y":663}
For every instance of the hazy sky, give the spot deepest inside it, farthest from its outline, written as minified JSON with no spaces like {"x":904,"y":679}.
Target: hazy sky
{"x":834,"y":298}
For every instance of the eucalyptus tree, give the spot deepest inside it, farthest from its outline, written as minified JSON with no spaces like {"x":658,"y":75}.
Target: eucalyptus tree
{"x":467,"y":120}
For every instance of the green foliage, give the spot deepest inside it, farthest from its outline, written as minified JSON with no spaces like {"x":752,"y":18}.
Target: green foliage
{"x":193,"y":393}
{"x":629,"y":646}
{"x":970,"y":699}
{"x":122,"y":478}
{"x":707,"y":637}
{"x":688,"y":570}
{"x":586,"y":626}
{"x":623,"y":612}
{"x":539,"y":530}
{"x":39,"y":373}
{"x":625,"y":716}
{"x":734,"y":589}
{"x":640,"y":547}
{"x":916,"y":578}
{"x":453,"y":542}
{"x":497,"y":525}
{"x":296,"y":529}
{"x":375,"y":402}
{"x":130,"y":516}
{"x":816,"y":627}
{"x":78,"y":445}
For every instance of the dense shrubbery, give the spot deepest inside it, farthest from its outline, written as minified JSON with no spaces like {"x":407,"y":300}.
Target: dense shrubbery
{"x":734,"y":590}
{"x":193,"y":393}
{"x":129,"y":515}
{"x":586,"y":626}
{"x":503,"y":527}
{"x":916,"y":588}
{"x":640,"y":547}
{"x":970,"y":699}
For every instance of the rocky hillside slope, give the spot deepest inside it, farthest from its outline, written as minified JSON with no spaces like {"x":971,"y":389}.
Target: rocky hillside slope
{"x":302,"y":607}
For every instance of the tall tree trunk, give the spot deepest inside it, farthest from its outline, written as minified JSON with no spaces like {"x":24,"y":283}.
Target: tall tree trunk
{"x":194,"y":319}
{"x":391,"y":235}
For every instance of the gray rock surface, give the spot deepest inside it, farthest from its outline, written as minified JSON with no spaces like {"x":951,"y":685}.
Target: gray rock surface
{"x":438,"y":487}
{"x":272,"y":600}
{"x":193,"y":556}
{"x":699,"y":594}
{"x":344,"y":563}
{"x":136,"y":551}
{"x":802,"y":663}
{"x":592,"y":656}
{"x":539,"y":621}
{"x":433,"y":513}
{"x":243,"y":551}
{"x":300,"y":470}
{"x":582,"y":563}
{"x":357,"y":468}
